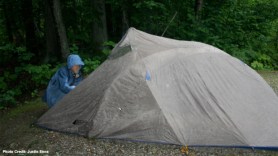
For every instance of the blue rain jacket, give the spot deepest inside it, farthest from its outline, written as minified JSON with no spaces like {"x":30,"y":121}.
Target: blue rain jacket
{"x":63,"y":81}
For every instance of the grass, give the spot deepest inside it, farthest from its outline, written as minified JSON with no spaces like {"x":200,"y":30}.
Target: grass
{"x":26,"y":107}
{"x":16,"y":124}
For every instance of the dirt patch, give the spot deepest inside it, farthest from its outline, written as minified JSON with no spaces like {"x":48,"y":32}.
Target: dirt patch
{"x":271,"y":78}
{"x":17,"y":132}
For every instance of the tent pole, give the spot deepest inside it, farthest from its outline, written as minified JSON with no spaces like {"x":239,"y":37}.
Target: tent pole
{"x":169,"y":23}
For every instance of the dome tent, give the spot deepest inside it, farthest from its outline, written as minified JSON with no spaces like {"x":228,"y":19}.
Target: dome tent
{"x":156,"y":89}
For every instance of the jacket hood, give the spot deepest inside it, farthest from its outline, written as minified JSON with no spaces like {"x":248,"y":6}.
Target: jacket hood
{"x":74,"y":59}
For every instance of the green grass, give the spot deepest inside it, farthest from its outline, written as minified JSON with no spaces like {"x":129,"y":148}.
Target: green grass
{"x":26,"y":107}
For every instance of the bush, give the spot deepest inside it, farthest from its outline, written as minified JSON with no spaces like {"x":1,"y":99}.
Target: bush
{"x":262,"y":62}
{"x":22,"y":80}
{"x":90,"y":65}
{"x":257,"y":65}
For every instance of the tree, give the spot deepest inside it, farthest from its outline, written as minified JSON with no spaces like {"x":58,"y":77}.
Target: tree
{"x":125,"y":21}
{"x":30,"y":34}
{"x":8,"y":22}
{"x":12,"y":16}
{"x":99,"y":26}
{"x":51,"y":34}
{"x":198,"y":8}
{"x":61,"y":28}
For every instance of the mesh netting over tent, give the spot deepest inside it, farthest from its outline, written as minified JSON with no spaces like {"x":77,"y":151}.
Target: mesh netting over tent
{"x":163,"y":90}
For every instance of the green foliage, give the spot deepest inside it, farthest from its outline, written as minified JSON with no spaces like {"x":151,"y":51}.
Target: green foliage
{"x":39,"y":74}
{"x":263,"y":62}
{"x":12,"y":54}
{"x":244,"y":29}
{"x":8,"y":98}
{"x":257,"y":65}
{"x":74,"y":48}
{"x":108,"y":46}
{"x":21,"y":79}
{"x":25,"y":79}
{"x":90,"y":65}
{"x":24,"y":82}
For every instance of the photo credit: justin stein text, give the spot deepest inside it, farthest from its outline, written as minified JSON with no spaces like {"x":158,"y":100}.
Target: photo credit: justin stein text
{"x":25,"y":152}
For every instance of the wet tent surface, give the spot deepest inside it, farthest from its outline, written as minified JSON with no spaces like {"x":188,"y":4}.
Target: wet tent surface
{"x":156,"y":89}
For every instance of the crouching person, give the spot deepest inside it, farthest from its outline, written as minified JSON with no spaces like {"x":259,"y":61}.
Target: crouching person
{"x":64,"y":80}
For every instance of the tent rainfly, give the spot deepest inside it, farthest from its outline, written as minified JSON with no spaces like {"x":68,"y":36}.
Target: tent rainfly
{"x":156,"y":89}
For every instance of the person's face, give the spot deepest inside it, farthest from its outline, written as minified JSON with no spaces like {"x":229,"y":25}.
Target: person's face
{"x":75,"y":68}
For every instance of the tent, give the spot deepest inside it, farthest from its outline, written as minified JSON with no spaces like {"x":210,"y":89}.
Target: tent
{"x":156,"y":89}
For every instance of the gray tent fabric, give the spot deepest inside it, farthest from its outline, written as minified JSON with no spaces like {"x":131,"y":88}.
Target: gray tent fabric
{"x":157,"y":89}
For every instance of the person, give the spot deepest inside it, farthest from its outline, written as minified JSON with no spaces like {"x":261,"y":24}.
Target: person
{"x":64,"y":80}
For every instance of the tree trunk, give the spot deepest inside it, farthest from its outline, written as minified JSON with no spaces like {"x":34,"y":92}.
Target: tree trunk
{"x":61,"y":28}
{"x":8,"y":22}
{"x":51,"y":35}
{"x":100,"y":27}
{"x":125,"y":23}
{"x":198,"y":8}
{"x":125,"y":11}
{"x":30,"y":35}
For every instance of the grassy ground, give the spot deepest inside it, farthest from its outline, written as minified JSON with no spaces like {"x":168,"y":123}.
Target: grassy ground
{"x":18,"y":133}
